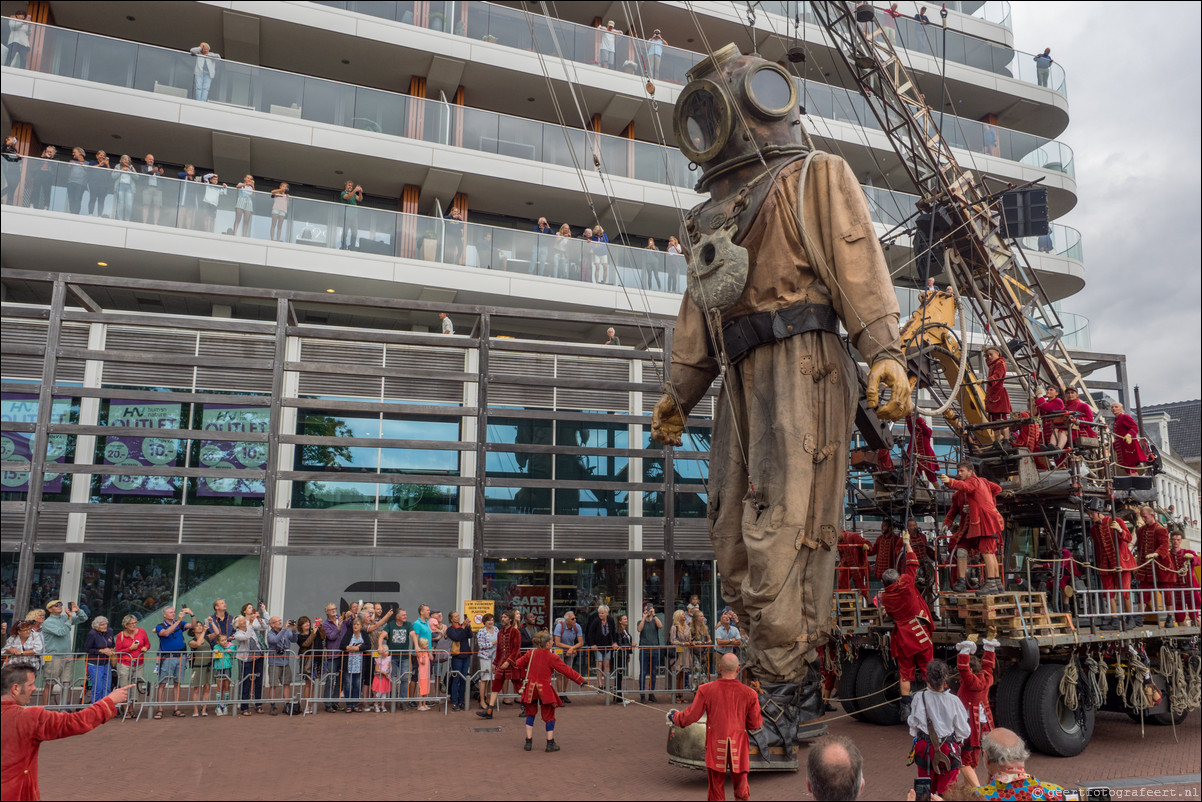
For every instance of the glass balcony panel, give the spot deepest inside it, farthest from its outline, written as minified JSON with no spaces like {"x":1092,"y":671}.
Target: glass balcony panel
{"x":615,"y":155}
{"x":520,"y":138}
{"x":279,"y":93}
{"x":505,"y":26}
{"x":479,"y":130}
{"x":328,"y":102}
{"x":104,"y":60}
{"x":385,"y":112}
{"x":383,"y":9}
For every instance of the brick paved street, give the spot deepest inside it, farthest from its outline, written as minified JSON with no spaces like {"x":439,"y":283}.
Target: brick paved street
{"x":608,"y":753}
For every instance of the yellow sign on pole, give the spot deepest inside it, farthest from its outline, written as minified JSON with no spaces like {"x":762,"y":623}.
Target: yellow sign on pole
{"x":474,"y":610}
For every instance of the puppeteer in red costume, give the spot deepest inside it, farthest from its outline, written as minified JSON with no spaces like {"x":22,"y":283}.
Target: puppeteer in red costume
{"x":974,"y":693}
{"x":730,"y":709}
{"x":911,"y":644}
{"x":1112,"y":555}
{"x":887,"y":549}
{"x":1128,"y":451}
{"x":997,"y":399}
{"x":537,"y":667}
{"x":920,"y":444}
{"x":853,"y":561}
{"x":1083,"y":427}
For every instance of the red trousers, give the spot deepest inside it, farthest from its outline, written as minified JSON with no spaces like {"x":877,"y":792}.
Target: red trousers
{"x":548,"y":710}
{"x":1112,"y":580}
{"x":717,"y":790}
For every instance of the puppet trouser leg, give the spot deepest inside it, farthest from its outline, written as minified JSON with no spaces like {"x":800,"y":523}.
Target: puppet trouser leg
{"x":775,"y":519}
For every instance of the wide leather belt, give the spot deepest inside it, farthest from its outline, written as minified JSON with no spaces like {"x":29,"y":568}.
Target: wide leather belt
{"x":760,"y":328}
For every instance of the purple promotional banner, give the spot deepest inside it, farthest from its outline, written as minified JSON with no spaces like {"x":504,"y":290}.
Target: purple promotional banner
{"x":233,"y":454}
{"x":18,"y":446}
{"x":140,"y":452}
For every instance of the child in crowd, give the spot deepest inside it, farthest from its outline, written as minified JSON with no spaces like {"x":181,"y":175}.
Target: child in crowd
{"x":381,"y":683}
{"x":223,"y":653}
{"x":939,"y":724}
{"x":423,"y":671}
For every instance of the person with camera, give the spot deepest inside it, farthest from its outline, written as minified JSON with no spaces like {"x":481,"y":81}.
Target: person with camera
{"x":279,"y":660}
{"x":56,"y":640}
{"x":171,"y":655}
{"x":651,"y":641}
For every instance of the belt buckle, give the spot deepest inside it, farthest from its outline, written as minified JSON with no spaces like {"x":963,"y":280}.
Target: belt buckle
{"x":780,"y":329}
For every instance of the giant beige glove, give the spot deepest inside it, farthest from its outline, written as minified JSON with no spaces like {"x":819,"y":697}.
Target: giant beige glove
{"x":891,"y":373}
{"x":667,"y":421}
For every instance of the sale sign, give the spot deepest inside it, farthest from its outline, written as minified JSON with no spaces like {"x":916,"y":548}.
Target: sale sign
{"x":233,"y":454}
{"x":533,"y":599}
{"x":18,"y":446}
{"x":138,"y":452}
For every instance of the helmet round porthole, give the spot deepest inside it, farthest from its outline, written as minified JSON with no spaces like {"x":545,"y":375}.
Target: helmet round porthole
{"x":702,"y":121}
{"x":770,"y":93}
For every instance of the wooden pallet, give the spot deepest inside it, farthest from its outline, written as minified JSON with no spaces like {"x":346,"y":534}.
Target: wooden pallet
{"x":847,"y":610}
{"x":1016,"y":614}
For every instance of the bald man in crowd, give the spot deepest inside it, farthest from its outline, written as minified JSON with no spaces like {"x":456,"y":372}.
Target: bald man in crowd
{"x":834,"y":769}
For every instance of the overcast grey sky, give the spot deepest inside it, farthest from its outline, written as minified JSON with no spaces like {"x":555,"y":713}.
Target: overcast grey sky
{"x":1133,"y":76}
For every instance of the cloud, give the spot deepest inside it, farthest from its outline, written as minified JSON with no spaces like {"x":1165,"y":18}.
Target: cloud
{"x":1135,"y":132}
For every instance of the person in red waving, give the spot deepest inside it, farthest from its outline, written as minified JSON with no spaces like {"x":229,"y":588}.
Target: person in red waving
{"x":509,"y":647}
{"x":1128,"y":450}
{"x":1083,"y":426}
{"x":997,"y":399}
{"x":887,"y":549}
{"x":537,"y":666}
{"x":911,"y":644}
{"x":853,"y":562}
{"x":1152,"y":544}
{"x":976,"y":677}
{"x":731,"y":709}
{"x":984,"y":526}
{"x":1112,"y":555}
{"x":920,"y":444}
{"x":26,"y":726}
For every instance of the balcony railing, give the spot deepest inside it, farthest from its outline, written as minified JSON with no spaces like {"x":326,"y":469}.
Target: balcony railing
{"x":580,"y":43}
{"x":169,"y":72}
{"x":195,"y":206}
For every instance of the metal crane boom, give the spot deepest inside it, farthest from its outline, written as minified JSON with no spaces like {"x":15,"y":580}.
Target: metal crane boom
{"x":1003,"y":290}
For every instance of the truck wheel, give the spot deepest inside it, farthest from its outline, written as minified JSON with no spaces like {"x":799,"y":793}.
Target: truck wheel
{"x":1009,"y":702}
{"x":1162,"y":719}
{"x":847,"y":689}
{"x":871,"y":681}
{"x":1052,"y":728}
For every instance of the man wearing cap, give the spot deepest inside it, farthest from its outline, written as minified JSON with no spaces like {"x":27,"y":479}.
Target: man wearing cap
{"x":56,"y":635}
{"x":605,"y":52}
{"x":655,"y":52}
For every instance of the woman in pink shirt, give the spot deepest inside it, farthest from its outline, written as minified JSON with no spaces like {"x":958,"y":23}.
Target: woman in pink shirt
{"x":131,"y":645}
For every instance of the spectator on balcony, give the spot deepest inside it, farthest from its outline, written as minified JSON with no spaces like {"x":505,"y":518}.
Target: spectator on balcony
{"x":543,"y":227}
{"x":1043,"y":66}
{"x":203,"y":71}
{"x":212,"y":197}
{"x":455,"y":235}
{"x":561,"y":252}
{"x":922,"y":17}
{"x":605,"y":48}
{"x":1045,"y":242}
{"x":41,"y":179}
{"x":100,"y":183}
{"x":12,"y":168}
{"x":655,"y":53}
{"x":600,"y":256}
{"x":77,"y":179}
{"x":244,"y":209}
{"x":352,"y":196}
{"x":152,"y":192}
{"x":889,"y":22}
{"x":18,"y":41}
{"x":448,"y":327}
{"x":613,"y":337}
{"x":190,"y":194}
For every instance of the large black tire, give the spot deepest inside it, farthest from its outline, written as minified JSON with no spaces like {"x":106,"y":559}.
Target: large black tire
{"x":1051,"y":727}
{"x":1009,"y":703}
{"x":871,"y":680}
{"x":847,"y":689}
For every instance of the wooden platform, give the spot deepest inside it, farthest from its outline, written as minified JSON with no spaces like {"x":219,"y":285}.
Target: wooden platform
{"x":849,"y":611}
{"x":1016,"y":614}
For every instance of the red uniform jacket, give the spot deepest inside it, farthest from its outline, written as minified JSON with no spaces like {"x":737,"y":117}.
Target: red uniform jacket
{"x":730,"y":709}
{"x":1153,"y":540}
{"x":997,"y":400}
{"x":983,"y":518}
{"x":910,"y":614}
{"x":1129,"y":455}
{"x":853,"y":560}
{"x":24,"y":730}
{"x":1084,"y":417}
{"x":1046,"y":407}
{"x":974,"y":693}
{"x":536,"y":667}
{"x":887,"y":549}
{"x":1104,"y":537}
{"x":920,"y":439}
{"x":509,"y":647}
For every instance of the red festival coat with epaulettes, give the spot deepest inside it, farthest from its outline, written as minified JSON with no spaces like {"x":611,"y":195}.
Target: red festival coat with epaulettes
{"x":910,"y":614}
{"x":974,"y":693}
{"x":983,"y":518}
{"x":731,"y":709}
{"x":886,"y":549}
{"x":537,"y":667}
{"x":1129,"y":455}
{"x":509,"y":647}
{"x":1153,"y":541}
{"x":25,"y":728}
{"x":997,"y":399}
{"x":1104,"y":537}
{"x":853,"y":560}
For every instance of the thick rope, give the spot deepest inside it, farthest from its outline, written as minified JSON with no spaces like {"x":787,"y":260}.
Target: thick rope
{"x":1068,"y":684}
